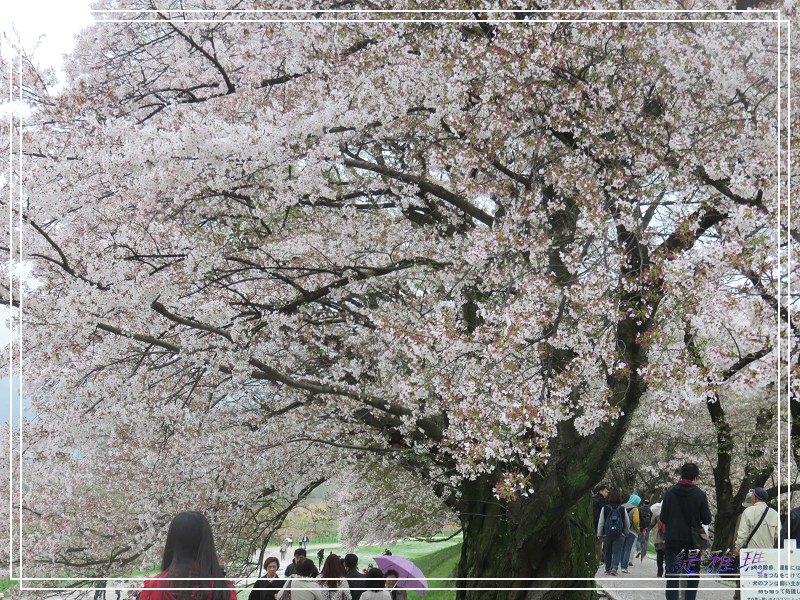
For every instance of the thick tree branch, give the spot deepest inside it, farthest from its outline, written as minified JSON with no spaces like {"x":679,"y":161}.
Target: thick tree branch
{"x":425,"y":186}
{"x":193,"y":323}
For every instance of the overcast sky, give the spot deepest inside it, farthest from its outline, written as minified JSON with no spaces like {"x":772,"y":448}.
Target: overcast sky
{"x":46,"y":28}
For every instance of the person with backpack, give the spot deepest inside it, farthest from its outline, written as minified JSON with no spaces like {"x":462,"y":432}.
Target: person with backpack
{"x":632,"y":508}
{"x":684,"y":512}
{"x":645,"y":516}
{"x":613,"y":526}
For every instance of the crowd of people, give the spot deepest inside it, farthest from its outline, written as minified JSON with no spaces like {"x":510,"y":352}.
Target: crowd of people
{"x":190,"y":563}
{"x":338,"y":579}
{"x":678,"y":525}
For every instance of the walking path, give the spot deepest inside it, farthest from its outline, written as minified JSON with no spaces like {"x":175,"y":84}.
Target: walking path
{"x":615,"y":587}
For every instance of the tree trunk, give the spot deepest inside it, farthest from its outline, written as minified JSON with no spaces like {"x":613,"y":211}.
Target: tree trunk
{"x":538,"y":537}
{"x":725,"y":521}
{"x":549,"y":534}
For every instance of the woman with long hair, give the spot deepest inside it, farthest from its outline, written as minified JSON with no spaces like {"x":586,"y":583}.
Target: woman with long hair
{"x":266,"y":587}
{"x":189,"y":564}
{"x":332,"y":580}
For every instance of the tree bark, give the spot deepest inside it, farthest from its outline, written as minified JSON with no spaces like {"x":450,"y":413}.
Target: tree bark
{"x":539,"y":537}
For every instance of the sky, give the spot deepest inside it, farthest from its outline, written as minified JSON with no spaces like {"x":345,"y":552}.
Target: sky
{"x":46,"y":29}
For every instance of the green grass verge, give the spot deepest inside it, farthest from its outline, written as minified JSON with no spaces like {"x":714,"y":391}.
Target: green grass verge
{"x":440,"y":563}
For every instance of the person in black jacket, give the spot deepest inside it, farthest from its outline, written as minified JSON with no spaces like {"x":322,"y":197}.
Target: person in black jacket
{"x":599,"y":500}
{"x":685,"y":507}
{"x":268,"y":586}
{"x":354,"y":576}
{"x":299,"y":553}
{"x":790,"y":527}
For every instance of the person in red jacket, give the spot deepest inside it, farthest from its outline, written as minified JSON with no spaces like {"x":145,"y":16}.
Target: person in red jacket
{"x":190,"y":565}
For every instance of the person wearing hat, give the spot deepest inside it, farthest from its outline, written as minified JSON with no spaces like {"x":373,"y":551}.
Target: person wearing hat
{"x":759,"y":524}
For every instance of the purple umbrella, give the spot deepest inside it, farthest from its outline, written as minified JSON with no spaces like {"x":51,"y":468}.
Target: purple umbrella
{"x":409,"y":575}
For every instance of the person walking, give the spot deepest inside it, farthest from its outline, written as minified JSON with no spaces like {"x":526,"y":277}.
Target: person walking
{"x":301,"y":584}
{"x":332,"y":580}
{"x":354,"y":576}
{"x":283,"y":550}
{"x":189,"y":561}
{"x":643,"y":541}
{"x":304,"y":541}
{"x":657,"y":527}
{"x":632,"y":508}
{"x":599,"y":500}
{"x":299,"y":553}
{"x":684,"y":512}
{"x":613,"y":526}
{"x":267,"y":587}
{"x":759,"y":525}
{"x":320,"y":557}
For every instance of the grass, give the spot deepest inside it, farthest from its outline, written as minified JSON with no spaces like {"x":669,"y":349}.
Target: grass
{"x":440,"y":563}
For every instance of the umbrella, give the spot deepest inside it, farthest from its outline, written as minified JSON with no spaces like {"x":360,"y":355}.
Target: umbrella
{"x":409,"y":574}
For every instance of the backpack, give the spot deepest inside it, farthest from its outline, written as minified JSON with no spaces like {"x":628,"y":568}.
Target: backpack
{"x":645,"y":516}
{"x":633,"y":518}
{"x":614,"y":524}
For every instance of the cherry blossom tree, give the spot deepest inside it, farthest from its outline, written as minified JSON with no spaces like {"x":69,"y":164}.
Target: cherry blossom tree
{"x":731,"y":430}
{"x":466,"y":249}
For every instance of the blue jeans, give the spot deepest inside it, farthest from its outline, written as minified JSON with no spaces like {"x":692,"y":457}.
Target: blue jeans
{"x":613,"y":551}
{"x":630,"y":539}
{"x":674,"y":567}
